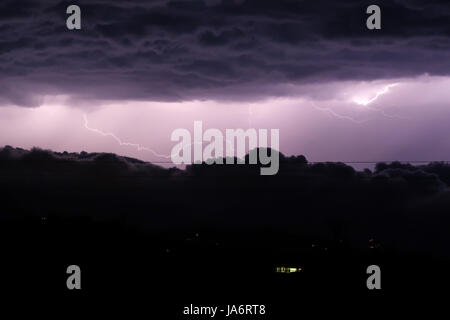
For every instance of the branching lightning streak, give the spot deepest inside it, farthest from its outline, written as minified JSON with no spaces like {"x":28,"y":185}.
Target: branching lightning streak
{"x":337,"y":115}
{"x":366,"y":102}
{"x":120,"y":142}
{"x":392,"y":116}
{"x":136,"y":145}
{"x":250,"y":114}
{"x":385,"y":90}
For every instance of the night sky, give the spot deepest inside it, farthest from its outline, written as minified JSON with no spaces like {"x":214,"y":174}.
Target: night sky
{"x":140,"y":69}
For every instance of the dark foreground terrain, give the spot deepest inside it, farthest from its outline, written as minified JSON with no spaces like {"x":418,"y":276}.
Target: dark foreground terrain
{"x":156,"y":240}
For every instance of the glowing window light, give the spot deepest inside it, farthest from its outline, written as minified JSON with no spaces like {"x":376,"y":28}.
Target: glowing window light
{"x":288,"y":270}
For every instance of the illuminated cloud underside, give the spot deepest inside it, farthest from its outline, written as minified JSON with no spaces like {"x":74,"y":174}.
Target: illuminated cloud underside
{"x":405,"y":121}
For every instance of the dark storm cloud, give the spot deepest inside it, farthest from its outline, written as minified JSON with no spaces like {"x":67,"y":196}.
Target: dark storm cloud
{"x":181,"y":50}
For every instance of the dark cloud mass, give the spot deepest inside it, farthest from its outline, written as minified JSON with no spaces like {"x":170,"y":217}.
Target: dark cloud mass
{"x":397,"y":203}
{"x":182,"y":50}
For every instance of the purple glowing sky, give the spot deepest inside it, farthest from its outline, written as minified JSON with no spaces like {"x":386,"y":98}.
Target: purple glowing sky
{"x":141,"y":69}
{"x":409,"y":121}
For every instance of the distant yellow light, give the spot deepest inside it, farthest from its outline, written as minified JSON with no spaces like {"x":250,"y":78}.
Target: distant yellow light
{"x":288,"y":270}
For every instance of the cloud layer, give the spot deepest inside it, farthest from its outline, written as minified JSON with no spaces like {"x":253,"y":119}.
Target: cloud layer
{"x":221,"y":50}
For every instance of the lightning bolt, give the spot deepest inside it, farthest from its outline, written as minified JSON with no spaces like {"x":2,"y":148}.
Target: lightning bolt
{"x":137,"y":145}
{"x":250,"y":114}
{"x":365,"y":102}
{"x":392,"y":116}
{"x":337,"y":115}
{"x":120,"y":142}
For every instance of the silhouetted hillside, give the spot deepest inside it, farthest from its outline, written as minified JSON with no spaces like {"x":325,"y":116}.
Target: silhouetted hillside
{"x":400,"y":205}
{"x":216,"y":233}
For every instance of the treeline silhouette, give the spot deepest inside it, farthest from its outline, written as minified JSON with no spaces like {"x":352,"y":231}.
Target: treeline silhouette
{"x":399,"y":204}
{"x":211,"y":225}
